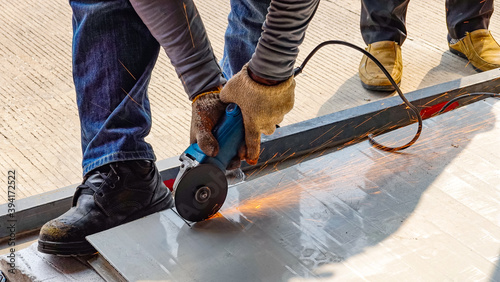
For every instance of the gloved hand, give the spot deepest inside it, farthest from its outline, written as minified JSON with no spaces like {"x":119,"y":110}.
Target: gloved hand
{"x":207,"y":108}
{"x":262,"y":106}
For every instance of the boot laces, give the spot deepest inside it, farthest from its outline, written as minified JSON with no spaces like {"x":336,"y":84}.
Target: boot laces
{"x":110,"y":178}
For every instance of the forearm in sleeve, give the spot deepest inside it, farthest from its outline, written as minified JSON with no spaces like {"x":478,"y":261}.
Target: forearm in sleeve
{"x":284,"y":31}
{"x":178,"y":27}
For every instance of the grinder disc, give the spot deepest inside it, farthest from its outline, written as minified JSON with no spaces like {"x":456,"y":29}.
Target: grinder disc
{"x":200,"y":192}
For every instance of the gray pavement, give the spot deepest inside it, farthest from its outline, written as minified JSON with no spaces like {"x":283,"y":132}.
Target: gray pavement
{"x":39,"y":127}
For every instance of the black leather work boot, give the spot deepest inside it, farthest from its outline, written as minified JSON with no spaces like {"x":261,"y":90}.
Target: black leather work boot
{"x":109,"y":196}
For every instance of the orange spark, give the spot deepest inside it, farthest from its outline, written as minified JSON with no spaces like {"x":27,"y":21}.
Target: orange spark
{"x":127,"y":70}
{"x":130,"y":97}
{"x":189,"y":26}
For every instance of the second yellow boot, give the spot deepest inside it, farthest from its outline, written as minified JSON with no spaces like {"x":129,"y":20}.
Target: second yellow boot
{"x":479,"y":47}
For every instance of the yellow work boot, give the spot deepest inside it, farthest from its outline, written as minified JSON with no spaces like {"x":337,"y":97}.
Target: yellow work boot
{"x":389,"y":54}
{"x":479,"y":47}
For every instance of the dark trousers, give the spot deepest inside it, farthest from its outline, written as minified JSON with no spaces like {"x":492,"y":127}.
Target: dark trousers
{"x":383,"y":20}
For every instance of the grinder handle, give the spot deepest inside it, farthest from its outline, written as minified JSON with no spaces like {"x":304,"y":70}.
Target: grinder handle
{"x":230,"y":135}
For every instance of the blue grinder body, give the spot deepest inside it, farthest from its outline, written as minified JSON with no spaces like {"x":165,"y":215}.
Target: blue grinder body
{"x":230,"y":134}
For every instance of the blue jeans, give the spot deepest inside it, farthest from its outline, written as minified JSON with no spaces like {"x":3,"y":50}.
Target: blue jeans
{"x":242,"y":34}
{"x":113,"y":57}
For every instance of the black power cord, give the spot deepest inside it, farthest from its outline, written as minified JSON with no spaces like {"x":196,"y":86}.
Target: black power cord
{"x":486,"y":94}
{"x":414,"y":109}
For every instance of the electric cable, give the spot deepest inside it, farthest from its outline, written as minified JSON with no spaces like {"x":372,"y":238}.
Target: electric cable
{"x":488,"y":94}
{"x":414,"y":109}
{"x":373,"y":142}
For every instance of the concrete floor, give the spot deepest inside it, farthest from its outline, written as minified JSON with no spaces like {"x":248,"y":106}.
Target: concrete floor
{"x":39,"y":127}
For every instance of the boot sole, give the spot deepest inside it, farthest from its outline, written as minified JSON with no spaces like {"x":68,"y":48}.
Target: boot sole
{"x":80,"y":248}
{"x":462,"y":55}
{"x":385,"y":88}
{"x":84,"y":248}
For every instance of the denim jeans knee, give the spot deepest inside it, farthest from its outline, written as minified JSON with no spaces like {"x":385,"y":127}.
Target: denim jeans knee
{"x":113,"y":57}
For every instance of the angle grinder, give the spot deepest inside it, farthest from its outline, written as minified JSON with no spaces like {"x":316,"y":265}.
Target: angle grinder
{"x":200,"y":187}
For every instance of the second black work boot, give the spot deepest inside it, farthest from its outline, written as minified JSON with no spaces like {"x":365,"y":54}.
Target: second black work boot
{"x":109,"y":196}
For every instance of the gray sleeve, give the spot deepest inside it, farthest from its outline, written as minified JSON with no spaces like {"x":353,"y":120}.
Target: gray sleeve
{"x":178,"y":27}
{"x":284,"y":31}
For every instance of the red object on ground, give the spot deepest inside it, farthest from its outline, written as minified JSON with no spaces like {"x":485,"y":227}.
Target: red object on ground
{"x":432,"y":110}
{"x":170,"y":184}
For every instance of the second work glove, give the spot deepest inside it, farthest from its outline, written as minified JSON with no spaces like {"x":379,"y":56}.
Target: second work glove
{"x":263,"y":107}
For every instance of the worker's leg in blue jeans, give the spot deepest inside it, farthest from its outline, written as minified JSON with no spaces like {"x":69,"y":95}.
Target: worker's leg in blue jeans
{"x":113,"y":56}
